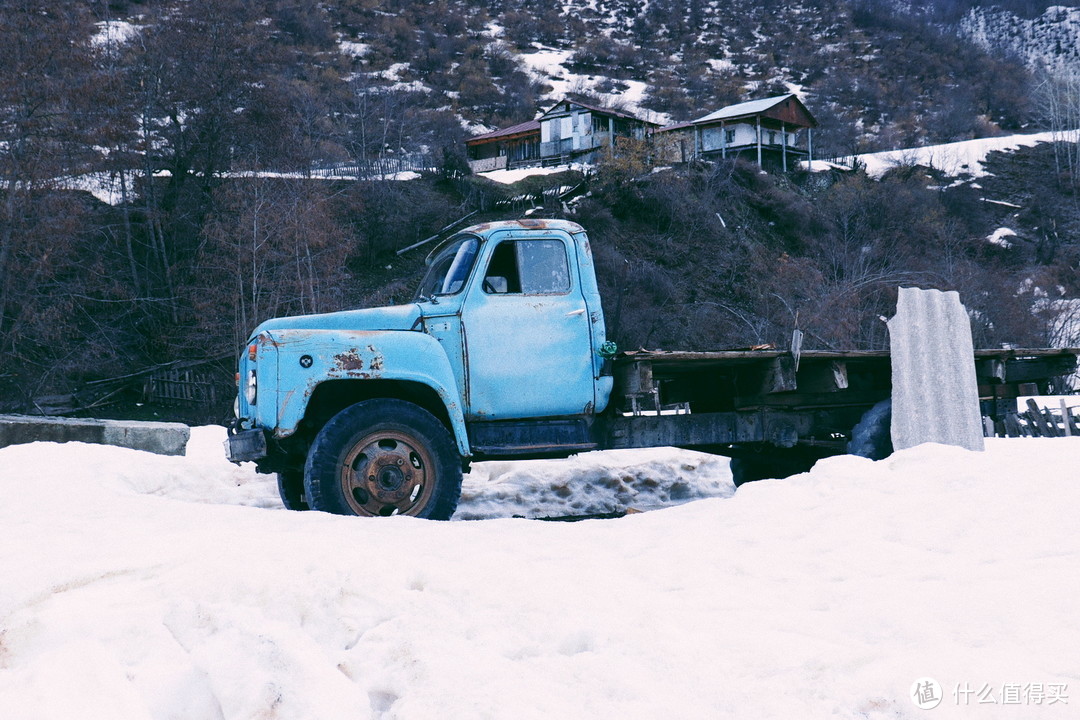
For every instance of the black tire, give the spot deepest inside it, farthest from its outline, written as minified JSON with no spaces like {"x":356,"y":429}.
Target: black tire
{"x":384,"y":457}
{"x":871,"y":437}
{"x":290,"y":486}
{"x":775,"y":463}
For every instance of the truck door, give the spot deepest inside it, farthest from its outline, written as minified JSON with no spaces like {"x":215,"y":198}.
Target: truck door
{"x":527,"y":334}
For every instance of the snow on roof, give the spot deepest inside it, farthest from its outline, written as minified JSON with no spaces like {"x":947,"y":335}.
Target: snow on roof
{"x":752,"y":107}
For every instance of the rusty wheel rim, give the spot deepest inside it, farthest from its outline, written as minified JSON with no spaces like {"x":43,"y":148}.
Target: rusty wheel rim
{"x":388,"y":473}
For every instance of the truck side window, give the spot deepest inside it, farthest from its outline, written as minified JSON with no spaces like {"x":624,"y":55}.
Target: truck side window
{"x":529,"y":267}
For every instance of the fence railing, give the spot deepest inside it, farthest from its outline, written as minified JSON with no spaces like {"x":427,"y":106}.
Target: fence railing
{"x":1037,"y":421}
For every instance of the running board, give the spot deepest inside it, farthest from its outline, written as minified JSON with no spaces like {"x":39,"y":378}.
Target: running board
{"x":531,"y":438}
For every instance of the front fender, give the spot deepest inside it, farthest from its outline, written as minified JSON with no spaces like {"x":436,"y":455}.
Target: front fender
{"x":306,"y":358}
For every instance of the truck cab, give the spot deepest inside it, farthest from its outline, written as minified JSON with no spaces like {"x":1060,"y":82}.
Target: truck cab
{"x":496,"y":356}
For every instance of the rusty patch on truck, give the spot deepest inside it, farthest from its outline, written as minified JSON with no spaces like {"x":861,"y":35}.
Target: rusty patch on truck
{"x":349,"y":360}
{"x":376,"y":359}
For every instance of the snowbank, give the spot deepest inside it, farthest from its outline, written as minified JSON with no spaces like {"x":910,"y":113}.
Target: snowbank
{"x":964,"y":158}
{"x":138,"y":586}
{"x":593,"y":483}
{"x":509,"y":177}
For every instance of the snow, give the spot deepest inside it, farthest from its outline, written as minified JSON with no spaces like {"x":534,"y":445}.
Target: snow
{"x":138,"y":586}
{"x":998,"y":237}
{"x":593,"y":483}
{"x":104,"y":186}
{"x":549,"y":66}
{"x":353,"y":48}
{"x":509,"y":177}
{"x":964,"y":158}
{"x":113,"y":32}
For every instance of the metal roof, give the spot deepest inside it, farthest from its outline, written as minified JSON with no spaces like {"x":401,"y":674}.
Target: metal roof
{"x":753,"y":107}
{"x":520,"y":128}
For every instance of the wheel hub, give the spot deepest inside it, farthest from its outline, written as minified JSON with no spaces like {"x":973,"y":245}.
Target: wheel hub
{"x":386,"y":474}
{"x":387,"y":481}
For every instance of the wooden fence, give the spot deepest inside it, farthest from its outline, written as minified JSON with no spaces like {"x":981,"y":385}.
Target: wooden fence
{"x":193,"y":385}
{"x":1036,"y":421}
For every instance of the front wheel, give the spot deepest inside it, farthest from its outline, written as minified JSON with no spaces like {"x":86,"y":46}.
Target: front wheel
{"x":384,"y":457}
{"x":291,"y":489}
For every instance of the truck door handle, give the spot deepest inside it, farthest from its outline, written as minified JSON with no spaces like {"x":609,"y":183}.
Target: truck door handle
{"x":575,"y":312}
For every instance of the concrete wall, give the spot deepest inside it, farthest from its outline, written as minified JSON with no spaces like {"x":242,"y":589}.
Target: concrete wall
{"x":156,"y":437}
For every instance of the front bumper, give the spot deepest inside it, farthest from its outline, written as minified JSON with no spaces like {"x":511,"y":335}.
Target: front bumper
{"x":246,"y":446}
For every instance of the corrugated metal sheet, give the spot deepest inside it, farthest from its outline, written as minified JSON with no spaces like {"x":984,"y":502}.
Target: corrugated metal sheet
{"x":935,"y":394}
{"x":753,"y":107}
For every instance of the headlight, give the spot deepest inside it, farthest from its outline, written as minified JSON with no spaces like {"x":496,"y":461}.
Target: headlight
{"x":251,"y":389}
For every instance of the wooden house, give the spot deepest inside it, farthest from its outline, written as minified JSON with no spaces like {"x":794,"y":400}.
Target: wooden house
{"x":775,"y":132}
{"x":573,"y":131}
{"x":515,"y":146}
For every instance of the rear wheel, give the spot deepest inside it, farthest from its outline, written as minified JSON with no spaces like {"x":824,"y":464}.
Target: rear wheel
{"x":384,"y":457}
{"x":872,"y":437}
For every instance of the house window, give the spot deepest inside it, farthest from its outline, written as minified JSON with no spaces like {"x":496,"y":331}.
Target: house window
{"x":772,"y":137}
{"x":729,"y":137}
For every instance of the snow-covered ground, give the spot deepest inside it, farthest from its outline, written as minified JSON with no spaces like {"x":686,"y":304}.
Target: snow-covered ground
{"x":956,"y":159}
{"x":549,"y":66}
{"x":509,"y":177}
{"x":138,"y":586}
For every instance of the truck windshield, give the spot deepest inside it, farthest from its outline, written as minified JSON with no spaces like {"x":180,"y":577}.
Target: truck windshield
{"x":449,"y":269}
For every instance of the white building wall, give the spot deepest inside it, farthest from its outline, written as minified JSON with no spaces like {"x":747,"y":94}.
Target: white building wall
{"x":745,"y":134}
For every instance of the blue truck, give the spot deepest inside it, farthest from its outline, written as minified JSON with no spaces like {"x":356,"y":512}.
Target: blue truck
{"x":503,"y":354}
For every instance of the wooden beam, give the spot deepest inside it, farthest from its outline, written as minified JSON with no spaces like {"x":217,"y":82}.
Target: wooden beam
{"x":779,"y":376}
{"x":783,"y":144}
{"x":758,"y":141}
{"x":1040,"y":422}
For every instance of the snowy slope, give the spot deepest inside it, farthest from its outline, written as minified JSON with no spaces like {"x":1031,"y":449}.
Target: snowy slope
{"x":138,"y":587}
{"x":956,"y":159}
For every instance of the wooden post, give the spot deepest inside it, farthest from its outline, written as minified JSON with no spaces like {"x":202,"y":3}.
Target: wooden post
{"x":783,"y":144}
{"x":1074,"y":423}
{"x":723,"y":140}
{"x":1012,"y":426}
{"x":1037,"y":417}
{"x":759,"y":141}
{"x":1066,"y":420}
{"x":810,"y":149}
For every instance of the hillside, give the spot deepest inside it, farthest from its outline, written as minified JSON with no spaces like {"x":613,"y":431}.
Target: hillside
{"x":246,"y":159}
